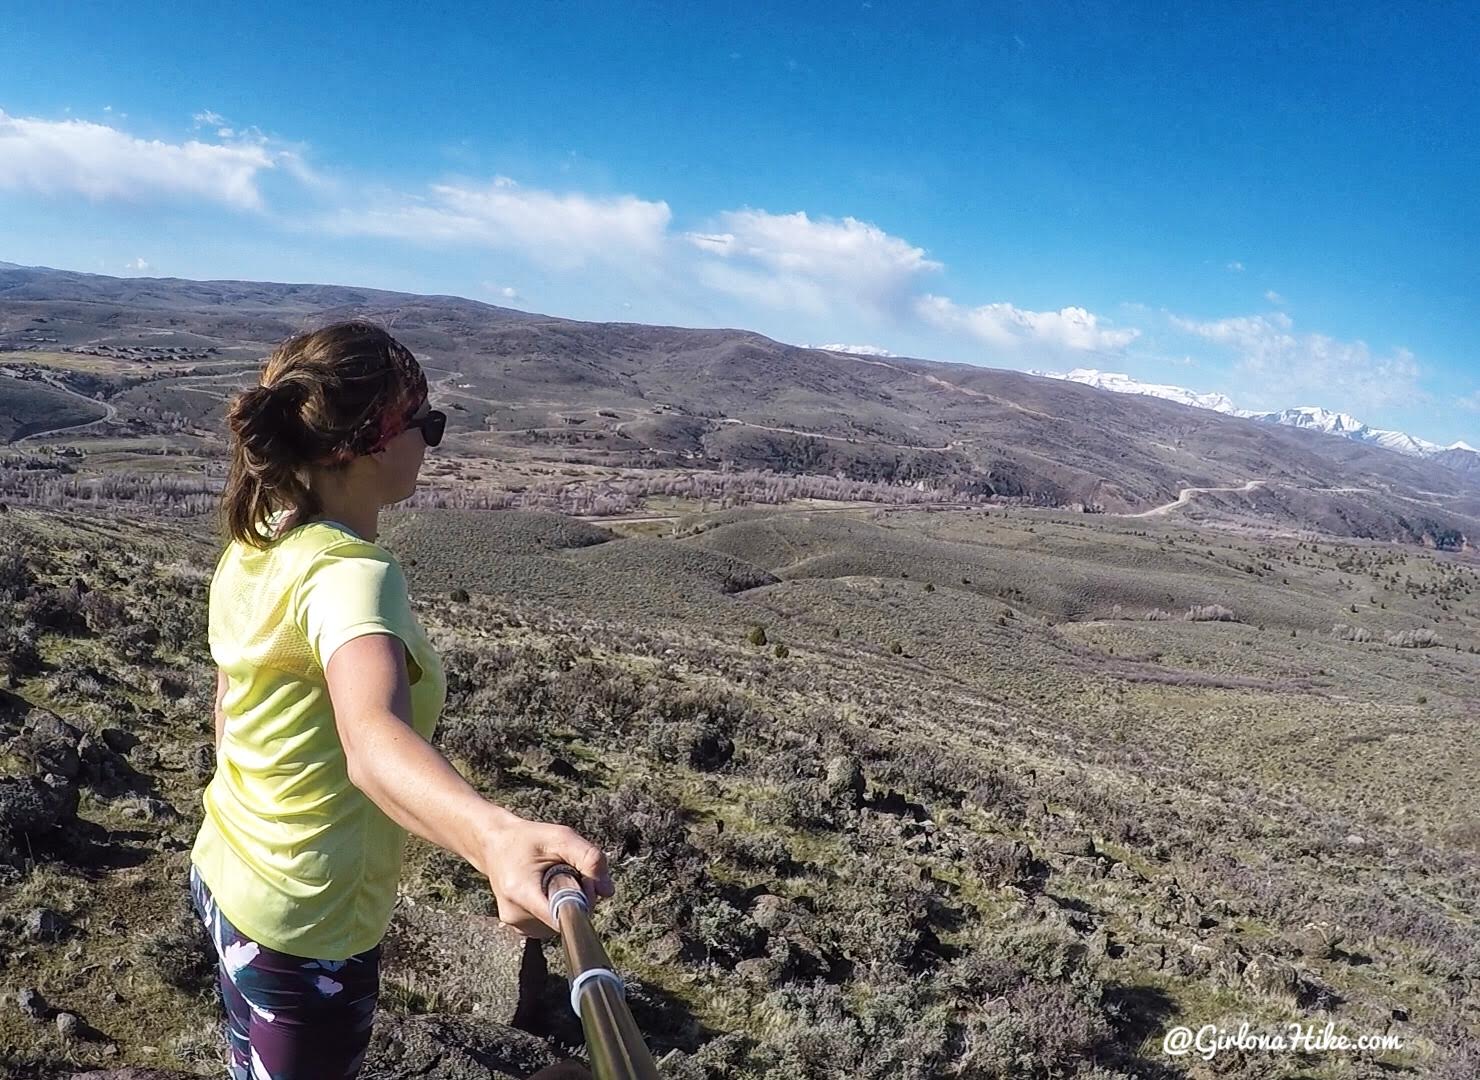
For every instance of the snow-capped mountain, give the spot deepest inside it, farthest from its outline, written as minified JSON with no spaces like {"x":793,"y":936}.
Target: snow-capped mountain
{"x":1310,"y":417}
{"x":1334,"y":423}
{"x":1123,"y":384}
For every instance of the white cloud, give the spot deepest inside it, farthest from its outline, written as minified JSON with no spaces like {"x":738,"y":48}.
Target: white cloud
{"x":856,"y":350}
{"x":821,"y":266}
{"x":138,"y":265}
{"x":1235,"y":267}
{"x":814,"y":265}
{"x":101,"y":162}
{"x":1004,"y":326}
{"x":559,"y":230}
{"x":1470,"y":402}
{"x":508,"y":292}
{"x":1281,"y":365}
{"x":1274,"y":297}
{"x":207,"y":118}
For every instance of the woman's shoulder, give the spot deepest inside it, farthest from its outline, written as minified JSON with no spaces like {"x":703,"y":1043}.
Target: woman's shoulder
{"x":320,"y":546}
{"x":309,"y":538}
{"x":302,"y":552}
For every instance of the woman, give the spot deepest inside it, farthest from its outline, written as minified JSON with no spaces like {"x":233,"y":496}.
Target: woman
{"x":327,"y":693}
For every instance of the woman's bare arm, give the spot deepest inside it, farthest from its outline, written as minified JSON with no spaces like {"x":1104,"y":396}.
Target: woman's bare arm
{"x":418,"y":788}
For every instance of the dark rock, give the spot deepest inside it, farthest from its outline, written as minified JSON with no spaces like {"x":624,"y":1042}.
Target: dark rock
{"x":151,"y":809}
{"x":451,"y":1047}
{"x":118,"y":740}
{"x":769,"y":910}
{"x":1194,"y":916}
{"x":32,"y":807}
{"x":103,"y":768}
{"x":892,"y":802}
{"x":1076,"y":845}
{"x":1271,"y":977}
{"x":32,"y":1003}
{"x":1318,"y":941}
{"x":49,"y":743}
{"x":64,"y":794}
{"x":44,"y":924}
{"x":564,"y":769}
{"x":1002,"y":862}
{"x":669,"y":949}
{"x":1312,"y":994}
{"x":466,"y":958}
{"x":845,"y":781}
{"x":760,"y":970}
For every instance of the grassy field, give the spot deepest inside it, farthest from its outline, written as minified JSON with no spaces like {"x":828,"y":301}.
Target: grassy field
{"x":888,"y":793}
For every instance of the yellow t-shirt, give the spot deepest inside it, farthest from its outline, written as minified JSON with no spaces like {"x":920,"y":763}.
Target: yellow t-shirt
{"x":297,"y":857}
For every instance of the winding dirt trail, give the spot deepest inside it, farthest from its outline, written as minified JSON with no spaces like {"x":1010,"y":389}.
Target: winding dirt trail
{"x":1185,"y":496}
{"x":833,"y":438}
{"x":111,"y":413}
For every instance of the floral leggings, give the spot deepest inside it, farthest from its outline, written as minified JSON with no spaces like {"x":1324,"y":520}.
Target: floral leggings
{"x":289,"y":1017}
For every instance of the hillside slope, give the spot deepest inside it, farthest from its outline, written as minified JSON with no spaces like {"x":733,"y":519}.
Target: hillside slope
{"x":624,"y":394}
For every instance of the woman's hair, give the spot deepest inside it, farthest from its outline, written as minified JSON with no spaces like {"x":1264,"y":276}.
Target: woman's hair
{"x":324,"y":397}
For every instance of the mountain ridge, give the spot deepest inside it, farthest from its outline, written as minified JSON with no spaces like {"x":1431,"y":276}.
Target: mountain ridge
{"x":1309,"y":417}
{"x":625,"y":396}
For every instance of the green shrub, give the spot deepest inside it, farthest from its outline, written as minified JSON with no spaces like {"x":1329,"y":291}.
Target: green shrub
{"x":757,"y":635}
{"x":15,"y":576}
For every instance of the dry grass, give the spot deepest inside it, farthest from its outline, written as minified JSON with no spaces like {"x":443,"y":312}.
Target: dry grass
{"x":1122,"y":814}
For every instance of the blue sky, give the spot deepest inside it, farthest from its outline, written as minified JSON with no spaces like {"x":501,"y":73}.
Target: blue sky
{"x":1273,"y":203}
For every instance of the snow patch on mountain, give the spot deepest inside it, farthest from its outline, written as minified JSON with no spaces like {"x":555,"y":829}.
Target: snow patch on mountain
{"x":1121,"y":383}
{"x":1315,"y":418}
{"x":1309,"y":417}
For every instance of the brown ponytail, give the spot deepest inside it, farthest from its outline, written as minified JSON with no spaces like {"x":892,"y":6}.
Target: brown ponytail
{"x":322,"y":399}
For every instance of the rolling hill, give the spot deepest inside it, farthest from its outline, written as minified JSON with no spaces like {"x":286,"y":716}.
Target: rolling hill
{"x":167,"y":353}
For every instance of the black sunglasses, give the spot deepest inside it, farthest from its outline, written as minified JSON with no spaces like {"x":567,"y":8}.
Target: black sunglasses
{"x":432,"y":425}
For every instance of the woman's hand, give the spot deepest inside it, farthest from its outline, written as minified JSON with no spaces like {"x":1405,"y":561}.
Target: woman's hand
{"x":518,"y":853}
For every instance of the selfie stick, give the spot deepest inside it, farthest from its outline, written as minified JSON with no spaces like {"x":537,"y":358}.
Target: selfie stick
{"x":597,"y":994}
